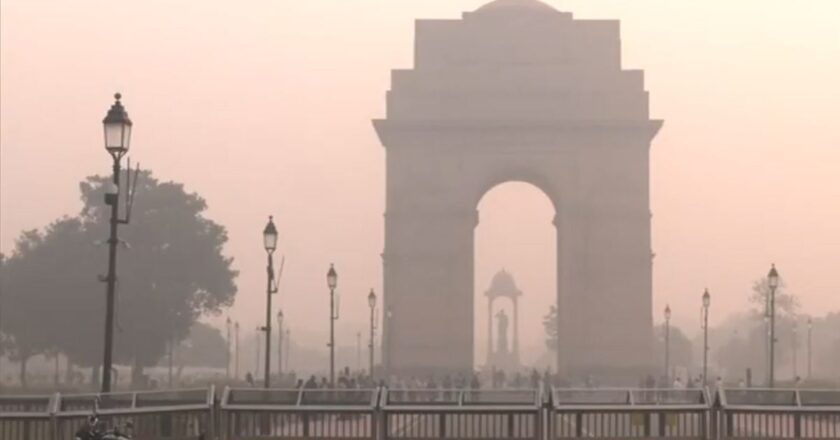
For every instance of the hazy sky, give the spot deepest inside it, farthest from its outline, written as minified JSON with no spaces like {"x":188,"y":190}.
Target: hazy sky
{"x":264,"y":107}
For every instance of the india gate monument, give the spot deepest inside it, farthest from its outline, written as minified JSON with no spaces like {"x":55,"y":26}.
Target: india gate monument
{"x":518,"y":91}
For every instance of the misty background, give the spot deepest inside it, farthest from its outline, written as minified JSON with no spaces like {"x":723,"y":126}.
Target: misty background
{"x":264,"y":108}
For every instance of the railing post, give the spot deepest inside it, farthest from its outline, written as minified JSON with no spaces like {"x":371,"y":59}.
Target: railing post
{"x":510,"y":425}
{"x":797,"y":425}
{"x":663,"y":424}
{"x":441,"y":425}
{"x":578,"y":424}
{"x":54,"y":407}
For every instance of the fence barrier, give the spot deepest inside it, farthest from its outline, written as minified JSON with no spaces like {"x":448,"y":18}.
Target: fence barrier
{"x":412,"y":414}
{"x":175,"y":414}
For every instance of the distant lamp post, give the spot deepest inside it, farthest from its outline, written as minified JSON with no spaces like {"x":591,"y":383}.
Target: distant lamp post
{"x":227,"y":353}
{"x":280,"y":344}
{"x":707,"y":299}
{"x":270,"y":245}
{"x":794,"y":342}
{"x":332,"y":282}
{"x":810,"y":328}
{"x":236,"y":351}
{"x":117,"y":127}
{"x":372,"y":304}
{"x":257,"y":345}
{"x":288,"y":340}
{"x":668,"y":343}
{"x":773,"y":283}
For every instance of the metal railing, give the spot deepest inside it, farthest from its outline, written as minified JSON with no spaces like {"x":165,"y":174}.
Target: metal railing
{"x":249,"y":413}
{"x":402,"y":414}
{"x":629,"y":414}
{"x":177,"y":414}
{"x":778,"y":414}
{"x":462,"y":414}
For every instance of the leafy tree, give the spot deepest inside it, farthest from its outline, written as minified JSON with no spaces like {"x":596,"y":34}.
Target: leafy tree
{"x":170,"y":271}
{"x":39,"y":288}
{"x":786,"y":304}
{"x":205,"y":347}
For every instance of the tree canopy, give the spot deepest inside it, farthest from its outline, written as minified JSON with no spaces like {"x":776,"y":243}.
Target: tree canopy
{"x":170,"y":270}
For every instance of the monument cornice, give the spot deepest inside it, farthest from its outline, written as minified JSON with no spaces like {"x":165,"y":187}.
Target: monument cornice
{"x":394,"y":133}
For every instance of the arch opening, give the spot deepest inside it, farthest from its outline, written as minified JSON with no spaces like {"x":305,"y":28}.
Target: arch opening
{"x":515,"y":272}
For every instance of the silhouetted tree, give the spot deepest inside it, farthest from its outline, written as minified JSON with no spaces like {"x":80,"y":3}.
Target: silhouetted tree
{"x":205,"y":347}
{"x":170,"y":271}
{"x":786,"y":303}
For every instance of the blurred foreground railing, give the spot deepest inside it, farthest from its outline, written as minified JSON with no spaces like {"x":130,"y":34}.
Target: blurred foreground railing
{"x":629,"y":413}
{"x":298,"y":413}
{"x":462,"y":414}
{"x":398,"y":414}
{"x":778,"y":414}
{"x":176,"y":414}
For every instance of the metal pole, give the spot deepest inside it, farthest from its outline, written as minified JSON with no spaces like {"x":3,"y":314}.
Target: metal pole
{"x":279,"y":348}
{"x":257,"y":365}
{"x":171,"y":355}
{"x":358,"y":351}
{"x":705,"y":345}
{"x":332,"y":338}
{"x":668,"y":350}
{"x":111,"y":280}
{"x":795,"y":344}
{"x":370,"y":346}
{"x":236,"y":361}
{"x":267,"y":329}
{"x":810,"y":324}
{"x":772,"y":336}
{"x":227,"y":353}
{"x":288,"y":347}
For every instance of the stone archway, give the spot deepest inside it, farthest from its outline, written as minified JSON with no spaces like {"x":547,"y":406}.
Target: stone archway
{"x":517,"y":91}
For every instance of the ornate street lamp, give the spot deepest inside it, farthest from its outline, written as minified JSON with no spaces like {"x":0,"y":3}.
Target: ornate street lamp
{"x":270,"y":245}
{"x":332,"y":282}
{"x":706,"y":302}
{"x":668,"y":343}
{"x":773,"y":283}
{"x":372,"y":304}
{"x":117,"y":129}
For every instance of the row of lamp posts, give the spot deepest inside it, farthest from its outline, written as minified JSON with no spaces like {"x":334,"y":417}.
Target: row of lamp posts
{"x":773,"y":284}
{"x":270,"y":245}
{"x":117,"y":130}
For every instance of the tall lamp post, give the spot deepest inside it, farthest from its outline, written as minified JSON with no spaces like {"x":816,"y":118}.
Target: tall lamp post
{"x":236,"y":351}
{"x":706,"y":302}
{"x":372,"y":305}
{"x":257,"y":361}
{"x":227,"y":354}
{"x":288,"y":339}
{"x":810,"y":328}
{"x":794,"y":346}
{"x":117,"y":140}
{"x":332,"y":282}
{"x":280,"y":344}
{"x":668,"y":343}
{"x":270,"y":244}
{"x":773,"y":283}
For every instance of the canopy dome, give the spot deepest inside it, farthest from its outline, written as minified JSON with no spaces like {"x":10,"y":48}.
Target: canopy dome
{"x":516,"y":6}
{"x":503,"y":285}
